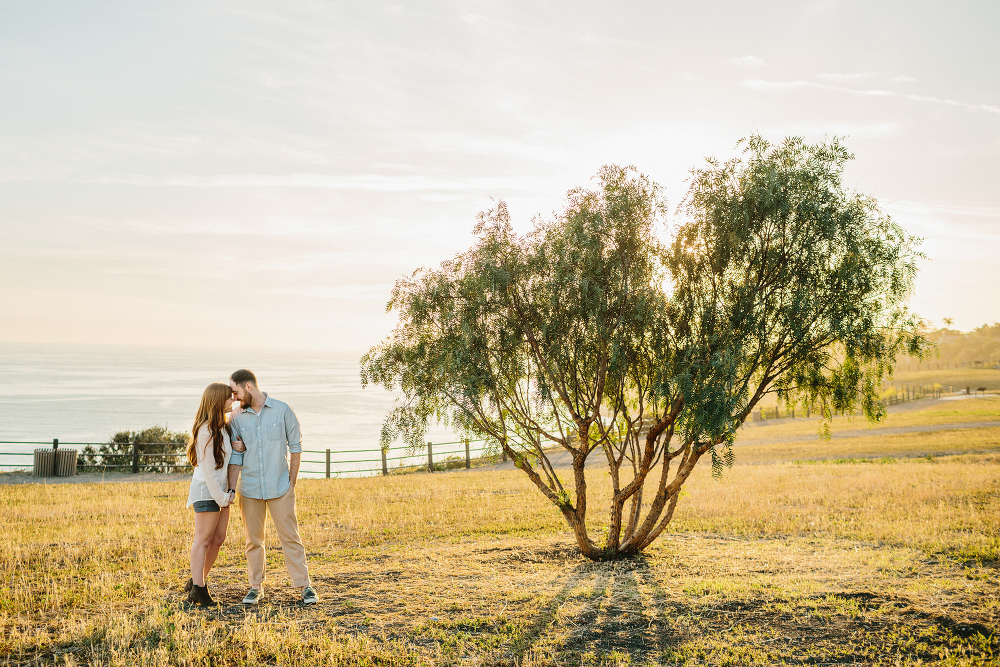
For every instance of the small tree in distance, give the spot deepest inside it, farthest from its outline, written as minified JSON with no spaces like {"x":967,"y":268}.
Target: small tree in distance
{"x":594,"y":335}
{"x":160,"y":447}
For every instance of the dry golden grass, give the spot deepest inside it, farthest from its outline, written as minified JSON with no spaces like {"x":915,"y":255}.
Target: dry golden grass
{"x":947,"y":505}
{"x":890,"y":562}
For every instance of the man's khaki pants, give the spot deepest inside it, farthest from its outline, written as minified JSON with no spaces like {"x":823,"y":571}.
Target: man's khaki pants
{"x":282,"y":511}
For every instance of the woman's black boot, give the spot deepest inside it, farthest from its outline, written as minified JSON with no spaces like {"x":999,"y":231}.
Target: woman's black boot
{"x":200,"y":596}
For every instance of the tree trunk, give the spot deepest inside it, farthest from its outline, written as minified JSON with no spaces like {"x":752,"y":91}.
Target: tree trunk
{"x":617,"y":505}
{"x":576,"y":516}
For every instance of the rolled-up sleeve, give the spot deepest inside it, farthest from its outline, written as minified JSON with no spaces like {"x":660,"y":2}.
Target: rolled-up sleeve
{"x":292,"y":433}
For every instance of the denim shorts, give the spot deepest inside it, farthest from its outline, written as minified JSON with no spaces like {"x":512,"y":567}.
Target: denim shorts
{"x":206,"y":506}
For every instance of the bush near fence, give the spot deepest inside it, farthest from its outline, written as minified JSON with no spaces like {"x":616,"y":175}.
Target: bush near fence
{"x":161,"y":451}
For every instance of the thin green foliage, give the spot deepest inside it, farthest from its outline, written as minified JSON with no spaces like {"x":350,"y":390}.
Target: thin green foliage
{"x":603,"y":330}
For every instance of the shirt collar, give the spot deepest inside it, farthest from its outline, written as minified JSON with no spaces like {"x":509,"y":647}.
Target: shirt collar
{"x":268,"y":403}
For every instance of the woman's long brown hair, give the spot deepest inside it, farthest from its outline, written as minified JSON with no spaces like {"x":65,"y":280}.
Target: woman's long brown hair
{"x":211,"y":411}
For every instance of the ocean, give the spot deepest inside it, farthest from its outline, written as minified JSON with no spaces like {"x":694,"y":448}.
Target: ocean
{"x":85,"y":393}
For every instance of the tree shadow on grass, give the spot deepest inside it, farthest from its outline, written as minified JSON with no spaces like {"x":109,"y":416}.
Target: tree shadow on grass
{"x":610,"y":617}
{"x":626,"y":610}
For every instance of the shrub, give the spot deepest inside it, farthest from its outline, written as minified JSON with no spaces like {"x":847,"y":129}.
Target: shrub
{"x":158,"y":445}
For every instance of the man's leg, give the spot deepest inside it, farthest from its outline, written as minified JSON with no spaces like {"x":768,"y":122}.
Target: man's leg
{"x":287,"y":526}
{"x":253,"y":512}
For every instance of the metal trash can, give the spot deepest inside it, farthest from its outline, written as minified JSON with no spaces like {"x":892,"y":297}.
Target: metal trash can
{"x":65,"y":462}
{"x":45,"y":462}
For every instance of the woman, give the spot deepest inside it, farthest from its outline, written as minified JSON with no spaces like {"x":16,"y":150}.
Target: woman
{"x":209,"y":452}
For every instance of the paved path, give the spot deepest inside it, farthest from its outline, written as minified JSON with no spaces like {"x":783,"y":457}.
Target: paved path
{"x":25,"y":477}
{"x":562,"y":459}
{"x":867,"y":432}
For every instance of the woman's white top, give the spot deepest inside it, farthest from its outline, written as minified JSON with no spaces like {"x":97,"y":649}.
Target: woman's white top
{"x":207,"y":483}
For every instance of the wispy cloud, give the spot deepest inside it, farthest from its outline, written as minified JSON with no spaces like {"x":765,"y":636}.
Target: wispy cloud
{"x":748,"y":61}
{"x":903,"y":79}
{"x":874,"y":129}
{"x":846,"y":78}
{"x":374,"y":182}
{"x":779,"y":86}
{"x":339,"y":291}
{"x":921,"y":208}
{"x":949,"y":229}
{"x":989,"y":108}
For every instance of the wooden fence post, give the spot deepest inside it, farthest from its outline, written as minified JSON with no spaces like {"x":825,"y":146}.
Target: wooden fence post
{"x":430,"y":457}
{"x":328,"y":464}
{"x":135,"y":458}
{"x":468,"y":462}
{"x":385,"y":466}
{"x":55,"y":443}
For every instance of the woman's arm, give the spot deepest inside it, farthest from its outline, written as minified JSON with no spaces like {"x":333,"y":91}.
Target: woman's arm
{"x":206,"y":461}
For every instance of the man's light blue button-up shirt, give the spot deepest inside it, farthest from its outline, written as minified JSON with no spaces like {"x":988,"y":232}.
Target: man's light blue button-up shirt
{"x":268,"y":436}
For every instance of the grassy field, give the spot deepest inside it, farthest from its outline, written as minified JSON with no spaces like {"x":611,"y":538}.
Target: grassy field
{"x":840,"y":558}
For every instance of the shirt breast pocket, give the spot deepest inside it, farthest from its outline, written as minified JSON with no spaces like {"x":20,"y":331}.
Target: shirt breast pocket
{"x":247,"y":436}
{"x":276,"y":432}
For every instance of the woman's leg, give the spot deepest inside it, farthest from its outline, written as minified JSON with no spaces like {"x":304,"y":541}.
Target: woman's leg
{"x":218,"y":538}
{"x":204,"y":530}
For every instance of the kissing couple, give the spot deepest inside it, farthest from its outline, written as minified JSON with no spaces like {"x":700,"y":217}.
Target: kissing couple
{"x":252,"y":446}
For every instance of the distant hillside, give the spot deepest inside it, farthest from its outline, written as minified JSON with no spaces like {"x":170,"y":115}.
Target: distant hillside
{"x":979,"y":347}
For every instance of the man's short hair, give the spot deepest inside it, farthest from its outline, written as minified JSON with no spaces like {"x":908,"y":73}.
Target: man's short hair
{"x":242,"y":376}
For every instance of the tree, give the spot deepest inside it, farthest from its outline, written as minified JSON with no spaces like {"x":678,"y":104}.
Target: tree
{"x":594,"y":335}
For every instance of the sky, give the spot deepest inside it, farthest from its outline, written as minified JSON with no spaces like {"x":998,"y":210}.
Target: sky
{"x":258,"y":174}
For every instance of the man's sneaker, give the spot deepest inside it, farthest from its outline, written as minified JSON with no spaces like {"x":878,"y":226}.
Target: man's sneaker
{"x":252,"y":596}
{"x":309,"y":595}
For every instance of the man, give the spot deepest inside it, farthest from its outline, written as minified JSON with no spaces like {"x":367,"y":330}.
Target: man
{"x":266,"y":483}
